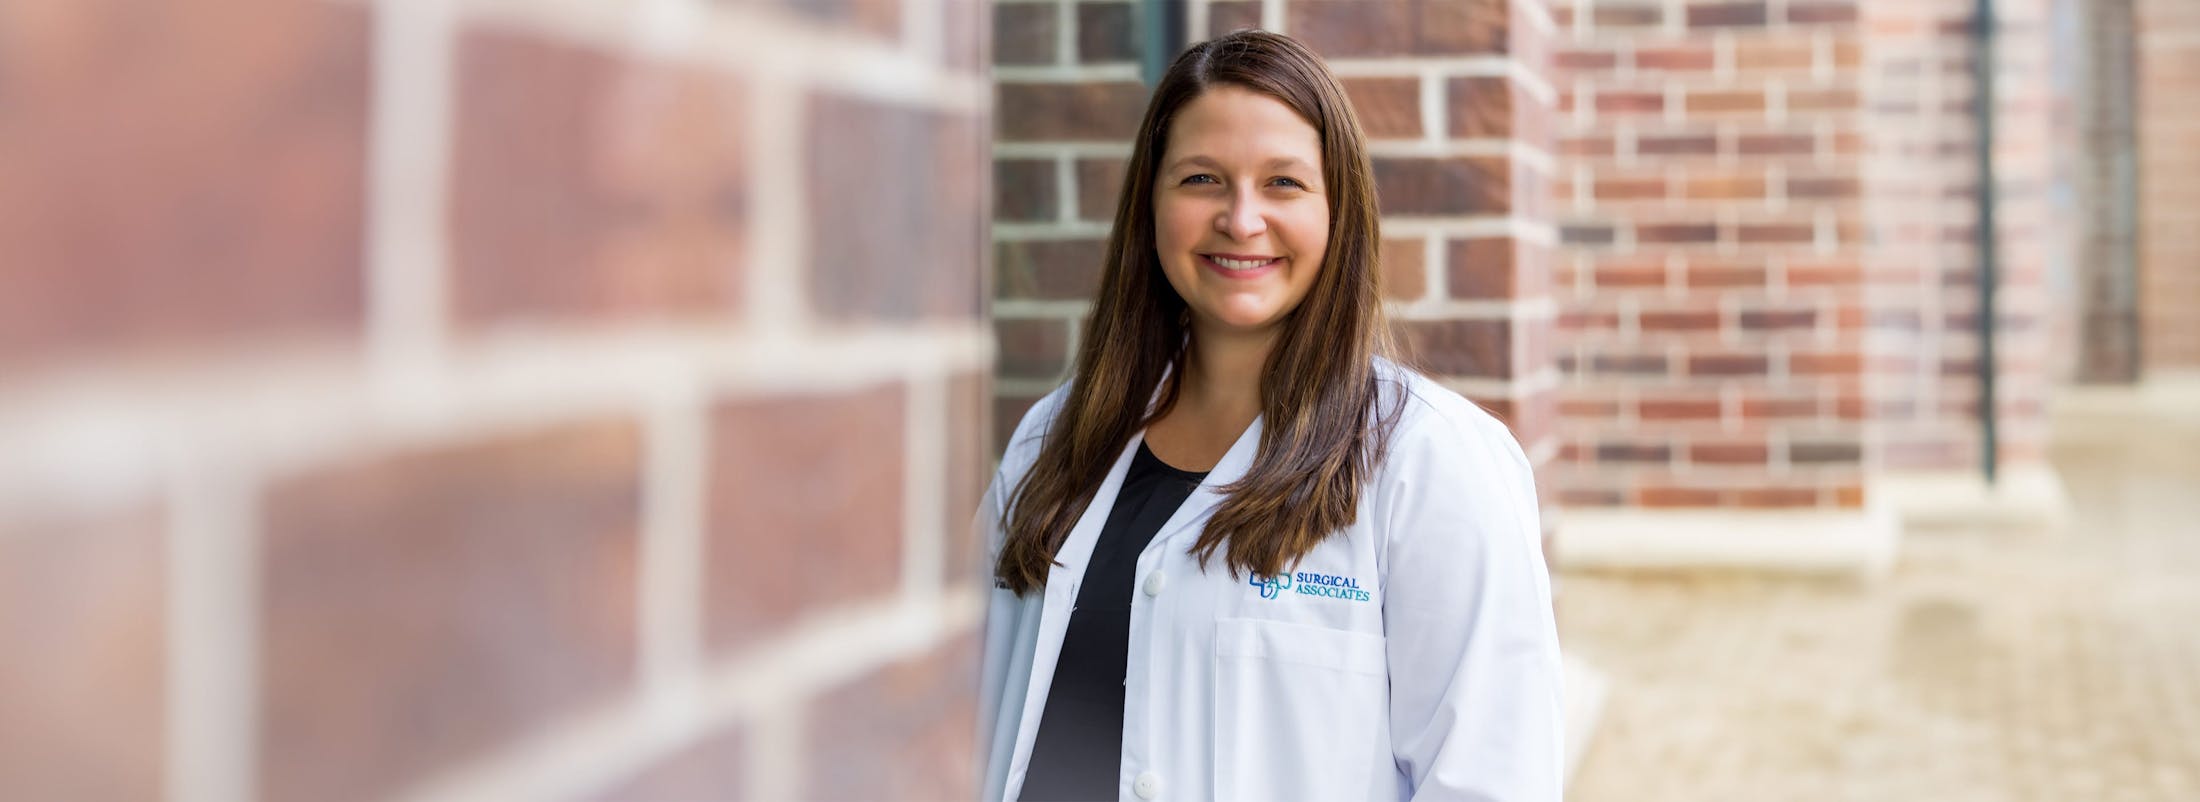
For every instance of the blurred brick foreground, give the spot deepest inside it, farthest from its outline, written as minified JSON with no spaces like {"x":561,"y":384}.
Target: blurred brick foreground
{"x":554,"y":399}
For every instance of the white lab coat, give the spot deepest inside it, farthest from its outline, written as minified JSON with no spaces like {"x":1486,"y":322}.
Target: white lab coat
{"x":1413,"y":656}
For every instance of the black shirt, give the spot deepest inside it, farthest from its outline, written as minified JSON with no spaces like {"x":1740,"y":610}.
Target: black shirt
{"x":1078,"y":751}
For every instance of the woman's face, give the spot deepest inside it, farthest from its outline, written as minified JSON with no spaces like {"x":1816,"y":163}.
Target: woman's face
{"x":1241,"y":218}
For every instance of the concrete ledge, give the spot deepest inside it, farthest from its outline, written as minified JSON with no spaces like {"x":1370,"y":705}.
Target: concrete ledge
{"x":1860,"y":543}
{"x":1585,"y":690}
{"x":2022,"y":496}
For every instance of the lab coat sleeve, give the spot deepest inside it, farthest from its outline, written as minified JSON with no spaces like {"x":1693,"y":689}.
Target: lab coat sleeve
{"x":1475,"y":678}
{"x":1000,"y":628}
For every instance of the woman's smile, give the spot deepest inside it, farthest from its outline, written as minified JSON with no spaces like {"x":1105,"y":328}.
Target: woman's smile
{"x":1241,"y":268}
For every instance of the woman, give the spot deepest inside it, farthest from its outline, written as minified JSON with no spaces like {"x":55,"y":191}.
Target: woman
{"x":1240,"y":555}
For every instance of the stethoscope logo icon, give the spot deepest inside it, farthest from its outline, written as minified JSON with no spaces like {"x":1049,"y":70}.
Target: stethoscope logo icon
{"x":1271,"y":587}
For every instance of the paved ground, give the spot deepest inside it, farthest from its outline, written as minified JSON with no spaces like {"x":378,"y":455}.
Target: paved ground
{"x":1992,"y":665}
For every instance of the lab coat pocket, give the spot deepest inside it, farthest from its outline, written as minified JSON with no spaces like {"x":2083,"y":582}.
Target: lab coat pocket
{"x":1297,"y":709}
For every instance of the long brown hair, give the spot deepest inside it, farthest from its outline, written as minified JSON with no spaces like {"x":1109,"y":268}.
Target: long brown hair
{"x":1322,"y":430}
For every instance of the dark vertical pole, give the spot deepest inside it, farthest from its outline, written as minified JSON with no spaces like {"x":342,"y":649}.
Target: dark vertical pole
{"x":1160,"y":36}
{"x":1983,"y":71}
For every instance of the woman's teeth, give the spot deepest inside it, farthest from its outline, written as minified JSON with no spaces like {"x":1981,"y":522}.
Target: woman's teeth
{"x":1240,"y":264}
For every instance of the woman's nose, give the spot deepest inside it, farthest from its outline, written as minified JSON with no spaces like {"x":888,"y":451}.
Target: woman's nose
{"x":1244,"y":219}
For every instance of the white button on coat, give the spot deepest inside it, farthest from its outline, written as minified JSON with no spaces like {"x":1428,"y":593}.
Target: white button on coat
{"x":1411,"y":655}
{"x":1147,"y":786}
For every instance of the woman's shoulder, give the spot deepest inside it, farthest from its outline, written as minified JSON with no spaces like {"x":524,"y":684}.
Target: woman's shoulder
{"x":1429,"y":415}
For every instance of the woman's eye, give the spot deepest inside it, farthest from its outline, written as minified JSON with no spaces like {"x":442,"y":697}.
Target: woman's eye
{"x":1293,"y":182}
{"x":1202,"y":178}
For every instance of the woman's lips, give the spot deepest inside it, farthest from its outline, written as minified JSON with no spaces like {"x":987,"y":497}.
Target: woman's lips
{"x":1266,"y":268}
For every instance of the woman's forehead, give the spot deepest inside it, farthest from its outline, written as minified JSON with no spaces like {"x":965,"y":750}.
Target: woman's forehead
{"x":1230,"y":126}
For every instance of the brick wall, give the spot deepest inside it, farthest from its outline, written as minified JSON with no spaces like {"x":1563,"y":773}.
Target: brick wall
{"x":1712,"y":278}
{"x":490,"y":400}
{"x":1456,"y":102}
{"x":1768,"y":277}
{"x":1922,"y":387}
{"x":2169,"y":184}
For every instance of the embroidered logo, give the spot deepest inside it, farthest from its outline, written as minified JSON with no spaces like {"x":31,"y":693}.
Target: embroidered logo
{"x":1309,"y":584}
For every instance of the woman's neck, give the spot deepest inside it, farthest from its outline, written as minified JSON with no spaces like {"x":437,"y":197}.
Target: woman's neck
{"x":1222,"y":375}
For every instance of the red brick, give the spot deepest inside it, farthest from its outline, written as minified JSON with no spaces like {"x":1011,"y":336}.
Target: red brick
{"x":1629,"y":364}
{"x":1633,"y":452}
{"x":1780,"y":233}
{"x":1821,"y":187}
{"x":1724,"y":186}
{"x":1484,"y":107}
{"x":168,"y":182}
{"x":1585,"y":146}
{"x":1661,"y":496}
{"x":903,"y":173}
{"x":1777,"y":144}
{"x":1032,"y":348}
{"x":1849,"y":496}
{"x":1803,"y":100}
{"x":1728,"y":453}
{"x":1405,"y":269}
{"x":1464,"y":185}
{"x":1784,"y":53}
{"x":1724,"y":101}
{"x":1624,"y":15}
{"x":587,"y":187}
{"x":1721,"y":276}
{"x":1587,"y":234}
{"x":1727,"y":15}
{"x":1631,"y":273}
{"x":1727,"y":365}
{"x":1818,"y":274}
{"x":1673,"y":58}
{"x":1679,"y":321}
{"x":422,"y":607}
{"x":779,"y":542}
{"x":1590,"y":497}
{"x":1024,"y":190}
{"x":1808,"y":364}
{"x":1389,"y":108}
{"x":1761,"y":319}
{"x":82,"y":612}
{"x":1630,"y":102}
{"x":1060,"y":270}
{"x":1585,"y":59}
{"x":1008,"y":412}
{"x":1345,"y":28}
{"x":1099,"y":188}
{"x":1104,"y":111}
{"x":1461,"y":348}
{"x":1024,"y":33}
{"x":1680,"y":145}
{"x":1814,"y":453}
{"x":1779,"y":406}
{"x":1489,"y":268}
{"x":903,"y":727}
{"x":1630,"y":188}
{"x":1771,"y":497}
{"x":1837,"y":12}
{"x":1677,"y":409}
{"x":1677,"y":232}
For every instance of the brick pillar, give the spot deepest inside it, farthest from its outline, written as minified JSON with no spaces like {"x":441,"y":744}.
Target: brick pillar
{"x":1711,"y":281}
{"x":1922,"y":389}
{"x":2169,"y":185}
{"x":1456,"y":105}
{"x":2107,"y":191}
{"x":491,"y":400}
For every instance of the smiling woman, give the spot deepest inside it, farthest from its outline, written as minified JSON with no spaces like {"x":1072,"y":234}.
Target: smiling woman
{"x":1232,"y":420}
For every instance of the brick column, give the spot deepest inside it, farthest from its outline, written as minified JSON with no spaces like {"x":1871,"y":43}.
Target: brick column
{"x":490,"y":400}
{"x":1455,"y":101}
{"x":2169,"y":185}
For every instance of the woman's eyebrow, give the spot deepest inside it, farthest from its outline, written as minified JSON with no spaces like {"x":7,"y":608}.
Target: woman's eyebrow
{"x":1278,"y":162}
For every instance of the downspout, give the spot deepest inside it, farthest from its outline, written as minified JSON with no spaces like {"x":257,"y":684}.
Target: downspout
{"x":1982,"y":33}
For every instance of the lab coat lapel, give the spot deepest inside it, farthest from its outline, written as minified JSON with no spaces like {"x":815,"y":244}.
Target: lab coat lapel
{"x":1060,"y":595}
